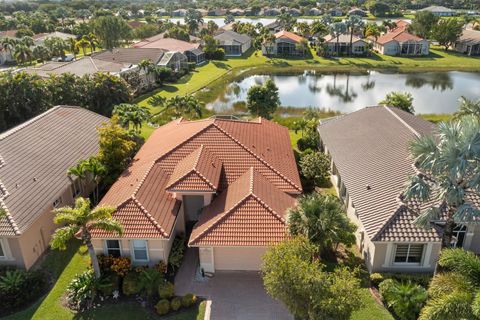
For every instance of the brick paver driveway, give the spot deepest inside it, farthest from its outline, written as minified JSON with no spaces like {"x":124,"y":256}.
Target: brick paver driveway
{"x":235,"y":295}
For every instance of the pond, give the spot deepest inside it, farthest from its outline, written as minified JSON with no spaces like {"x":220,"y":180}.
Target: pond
{"x":433,"y":92}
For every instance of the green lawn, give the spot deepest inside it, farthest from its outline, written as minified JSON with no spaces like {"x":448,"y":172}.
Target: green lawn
{"x":371,"y":309}
{"x":64,"y":265}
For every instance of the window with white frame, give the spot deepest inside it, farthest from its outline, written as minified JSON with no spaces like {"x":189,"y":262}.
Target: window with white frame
{"x":409,"y":253}
{"x":140,"y":250}
{"x":459,"y":233}
{"x":57,"y":202}
{"x":113,"y":248}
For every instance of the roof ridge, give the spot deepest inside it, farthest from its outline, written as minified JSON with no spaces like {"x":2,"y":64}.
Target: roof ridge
{"x":258,"y":157}
{"x":402,"y":121}
{"x":149,"y":216}
{"x":270,"y":209}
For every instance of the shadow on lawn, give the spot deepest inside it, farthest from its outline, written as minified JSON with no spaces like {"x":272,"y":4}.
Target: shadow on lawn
{"x":54,"y":264}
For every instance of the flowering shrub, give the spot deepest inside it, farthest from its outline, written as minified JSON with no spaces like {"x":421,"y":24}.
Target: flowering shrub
{"x":161,"y":267}
{"x":121,"y":266}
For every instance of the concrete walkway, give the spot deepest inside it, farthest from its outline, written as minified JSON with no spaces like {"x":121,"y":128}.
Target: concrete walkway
{"x":235,"y":295}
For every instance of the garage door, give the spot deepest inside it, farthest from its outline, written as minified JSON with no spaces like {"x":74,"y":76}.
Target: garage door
{"x":249,"y":258}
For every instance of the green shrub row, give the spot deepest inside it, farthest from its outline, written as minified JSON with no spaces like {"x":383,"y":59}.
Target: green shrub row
{"x":164,"y":306}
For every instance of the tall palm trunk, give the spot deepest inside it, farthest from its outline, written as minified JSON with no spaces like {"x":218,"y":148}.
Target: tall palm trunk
{"x":87,"y":239}
{"x":350,"y":49}
{"x":338,"y":47}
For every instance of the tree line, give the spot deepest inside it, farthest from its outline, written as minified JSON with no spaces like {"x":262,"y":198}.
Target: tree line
{"x":25,"y":96}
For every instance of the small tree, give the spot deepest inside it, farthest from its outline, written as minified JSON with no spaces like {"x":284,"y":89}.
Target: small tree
{"x":79,"y":222}
{"x":401,"y":100}
{"x":322,"y":220}
{"x":423,"y":23}
{"x":447,"y":31}
{"x":315,"y":167}
{"x":293,"y":276}
{"x":263,"y":100}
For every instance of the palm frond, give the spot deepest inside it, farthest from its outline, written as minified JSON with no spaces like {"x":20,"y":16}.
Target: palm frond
{"x":456,"y":305}
{"x":61,"y":237}
{"x":102,"y":212}
{"x":425,"y":218}
{"x":110,"y":225}
{"x":65,"y":216}
{"x":466,"y":213}
{"x":417,"y":188}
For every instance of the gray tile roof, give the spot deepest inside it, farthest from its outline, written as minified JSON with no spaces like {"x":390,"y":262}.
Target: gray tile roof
{"x":130,"y":55}
{"x":370,"y":147}
{"x":34,"y":159}
{"x":471,"y":37}
{"x":229,"y":37}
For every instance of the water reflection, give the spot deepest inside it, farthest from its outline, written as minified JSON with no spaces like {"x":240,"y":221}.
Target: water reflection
{"x":435,"y":92}
{"x":437,"y":80}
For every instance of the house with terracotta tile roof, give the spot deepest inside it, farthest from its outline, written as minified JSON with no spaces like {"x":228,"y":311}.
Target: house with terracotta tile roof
{"x":34,"y":159}
{"x":400,"y":42}
{"x":286,"y":44}
{"x":226,"y":183}
{"x":370,"y":167}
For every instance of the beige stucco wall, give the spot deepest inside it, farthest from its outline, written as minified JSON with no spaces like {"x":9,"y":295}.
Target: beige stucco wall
{"x":156,"y":249}
{"x":29,"y":246}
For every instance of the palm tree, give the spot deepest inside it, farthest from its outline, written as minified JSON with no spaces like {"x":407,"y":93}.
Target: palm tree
{"x":186,"y":106}
{"x":95,"y":171}
{"x":322,"y":219}
{"x":454,"y":293}
{"x":93,"y":41}
{"x":269,"y":41}
{"x":8,"y":44}
{"x":84,"y":44}
{"x":41,"y":53}
{"x":448,"y":167}
{"x":318,"y":28}
{"x":304,"y":29}
{"x":132,"y":113}
{"x":193,"y":19}
{"x":468,"y":107}
{"x":336,"y":30}
{"x":27,"y":41}
{"x":286,"y":21}
{"x":372,"y":30}
{"x":78,"y":222}
{"x":389,"y":24}
{"x":22,"y":53}
{"x":353,"y":23}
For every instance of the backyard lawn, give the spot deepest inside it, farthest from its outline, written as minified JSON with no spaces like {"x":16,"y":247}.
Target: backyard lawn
{"x":64,"y":265}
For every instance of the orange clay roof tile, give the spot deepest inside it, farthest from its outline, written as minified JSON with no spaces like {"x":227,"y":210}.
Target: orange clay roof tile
{"x":251,"y":211}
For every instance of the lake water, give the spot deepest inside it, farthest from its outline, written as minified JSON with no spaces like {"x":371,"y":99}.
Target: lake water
{"x":433,"y":92}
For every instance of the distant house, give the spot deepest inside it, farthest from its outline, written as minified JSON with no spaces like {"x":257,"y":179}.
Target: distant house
{"x":39,"y":39}
{"x":237,"y":12}
{"x":286,"y":44}
{"x":336,"y":12}
{"x":400,"y":42}
{"x":271,"y":12}
{"x":357,"y":12}
{"x":468,"y":43}
{"x":234,"y":44}
{"x":370,"y":165}
{"x":314,"y":12}
{"x":191,"y":50}
{"x":161,"y":12}
{"x":217,"y":12}
{"x":440,"y":11}
{"x":274,"y":27}
{"x":294,"y":12}
{"x":179,"y":13}
{"x":203,"y":12}
{"x":119,"y":61}
{"x":34,"y":159}
{"x":359,"y":46}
